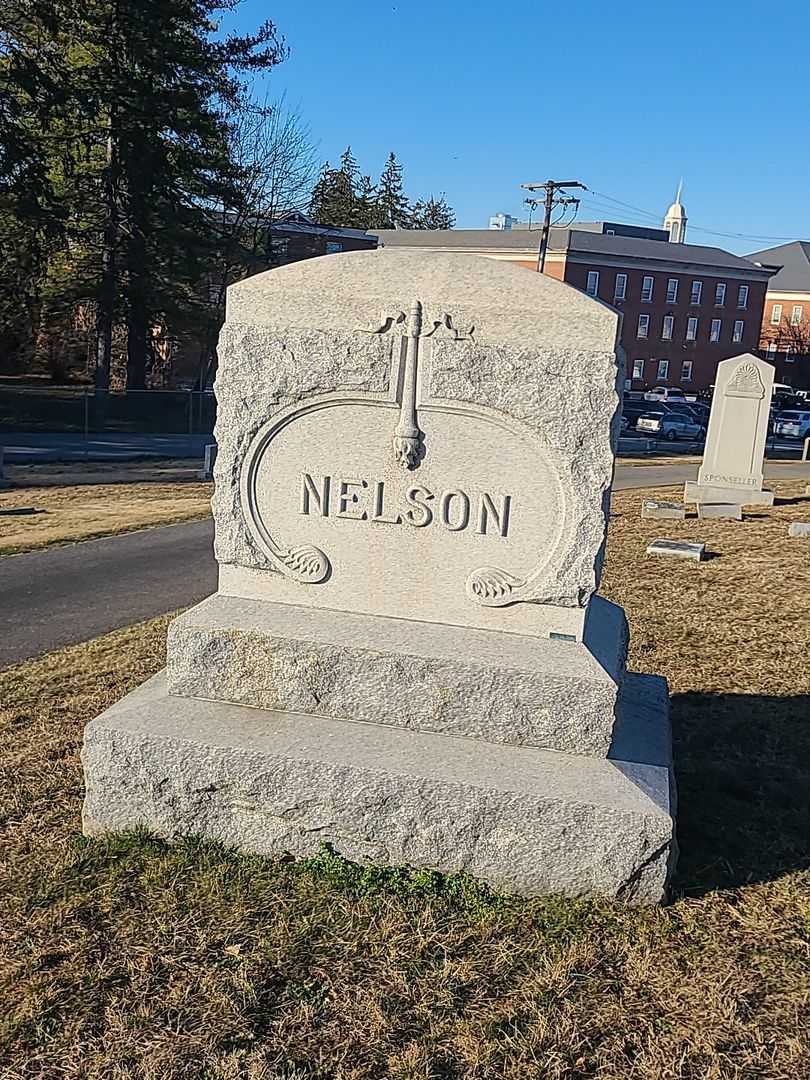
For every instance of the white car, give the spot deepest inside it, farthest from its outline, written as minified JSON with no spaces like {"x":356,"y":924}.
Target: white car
{"x":793,"y":425}
{"x":670,"y":424}
{"x":669,"y":394}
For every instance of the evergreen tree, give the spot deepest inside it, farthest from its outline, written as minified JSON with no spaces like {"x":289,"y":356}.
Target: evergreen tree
{"x":366,"y":203}
{"x":391,"y":206}
{"x":432,"y":214}
{"x":335,"y":199}
{"x":320,"y":199}
{"x":135,"y":139}
{"x":31,"y":218}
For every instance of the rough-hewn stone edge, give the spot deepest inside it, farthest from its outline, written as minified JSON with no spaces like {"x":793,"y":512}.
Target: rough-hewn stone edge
{"x":448,"y":680}
{"x":695,"y":492}
{"x":525,"y":821}
{"x":566,"y":397}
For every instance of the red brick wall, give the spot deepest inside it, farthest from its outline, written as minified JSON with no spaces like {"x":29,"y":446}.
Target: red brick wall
{"x":703,"y":353}
{"x":792,"y":356}
{"x":553,"y":269}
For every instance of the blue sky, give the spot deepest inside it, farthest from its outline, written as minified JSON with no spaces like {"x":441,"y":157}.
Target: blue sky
{"x":476,"y":98}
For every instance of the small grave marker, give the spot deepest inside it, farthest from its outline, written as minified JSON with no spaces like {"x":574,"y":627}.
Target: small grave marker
{"x":678,"y":549}
{"x":731,"y":511}
{"x":659,"y":508}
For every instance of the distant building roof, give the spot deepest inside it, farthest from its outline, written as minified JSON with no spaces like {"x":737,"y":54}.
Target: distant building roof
{"x":574,"y":240}
{"x":631,"y":247}
{"x":794,"y":260}
{"x":461,"y":239}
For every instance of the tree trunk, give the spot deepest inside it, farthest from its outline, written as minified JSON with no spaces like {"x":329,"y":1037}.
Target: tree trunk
{"x":138,"y":314}
{"x":137,"y":346}
{"x":105,"y":296}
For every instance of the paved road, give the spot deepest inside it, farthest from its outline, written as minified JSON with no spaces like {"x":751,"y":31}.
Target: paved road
{"x":52,"y":598}
{"x":120,"y":446}
{"x":638,"y":476}
{"x":106,"y":446}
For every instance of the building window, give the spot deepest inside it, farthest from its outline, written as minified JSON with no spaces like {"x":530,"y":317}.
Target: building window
{"x":717,"y":327}
{"x":776,"y":314}
{"x":592,"y":288}
{"x":789,"y":357}
{"x":739,"y":327}
{"x":620,"y":288}
{"x":742,"y":296}
{"x":668,"y":327}
{"x":333,"y":247}
{"x":638,"y":369}
{"x":796,"y":315}
{"x":697,"y":292}
{"x":663,"y":370}
{"x":647,"y":290}
{"x":686,"y":371}
{"x":672,"y":290}
{"x":720,"y":294}
{"x":691,"y":328}
{"x":771,"y":348}
{"x":643,"y":326}
{"x":279,"y":246}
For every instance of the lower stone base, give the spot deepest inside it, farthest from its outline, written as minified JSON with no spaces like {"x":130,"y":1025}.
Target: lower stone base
{"x":525,"y":820}
{"x":708,"y":493}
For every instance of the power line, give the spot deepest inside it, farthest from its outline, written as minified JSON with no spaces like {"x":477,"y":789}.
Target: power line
{"x":552,"y":199}
{"x":628,"y":206}
{"x":697,"y":228}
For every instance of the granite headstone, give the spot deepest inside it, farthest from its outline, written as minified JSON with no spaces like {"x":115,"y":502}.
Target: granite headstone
{"x":731,"y":471}
{"x":406,"y":657}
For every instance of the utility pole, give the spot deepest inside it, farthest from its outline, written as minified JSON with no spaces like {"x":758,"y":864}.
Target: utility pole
{"x":551,"y":187}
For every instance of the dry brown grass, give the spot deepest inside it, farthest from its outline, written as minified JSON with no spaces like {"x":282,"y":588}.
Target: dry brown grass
{"x":61,"y":473}
{"x":129,"y":958}
{"x":36,"y":517}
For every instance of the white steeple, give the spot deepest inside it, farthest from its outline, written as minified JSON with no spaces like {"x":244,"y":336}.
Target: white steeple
{"x":675,"y":220}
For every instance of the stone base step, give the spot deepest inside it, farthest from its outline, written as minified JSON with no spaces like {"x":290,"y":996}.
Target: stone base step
{"x":451,"y":680}
{"x":526,"y":821}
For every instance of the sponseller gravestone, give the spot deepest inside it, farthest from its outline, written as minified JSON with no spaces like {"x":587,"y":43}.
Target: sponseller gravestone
{"x":405,"y":657}
{"x":731,"y":472}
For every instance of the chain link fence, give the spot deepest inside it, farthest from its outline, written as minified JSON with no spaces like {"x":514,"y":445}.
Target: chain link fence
{"x":83,"y":414}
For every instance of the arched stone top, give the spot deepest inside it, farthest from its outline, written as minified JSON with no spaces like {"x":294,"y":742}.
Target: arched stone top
{"x":507,"y":304}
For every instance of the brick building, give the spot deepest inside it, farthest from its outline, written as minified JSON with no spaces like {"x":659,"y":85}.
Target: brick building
{"x":785,"y":334}
{"x":295,"y":236}
{"x":685,"y":307}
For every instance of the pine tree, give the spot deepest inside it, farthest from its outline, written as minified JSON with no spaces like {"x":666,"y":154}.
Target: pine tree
{"x":320,"y":199}
{"x":136,"y":141}
{"x":366,"y":204}
{"x":391,"y":205}
{"x":432,"y":214}
{"x":31,"y":218}
{"x":335,"y":198}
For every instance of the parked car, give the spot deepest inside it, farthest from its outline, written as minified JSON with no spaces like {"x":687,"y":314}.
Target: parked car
{"x":633,"y":409}
{"x":698,"y":410}
{"x":665,"y":393}
{"x":670,"y":424}
{"x":792,"y":425}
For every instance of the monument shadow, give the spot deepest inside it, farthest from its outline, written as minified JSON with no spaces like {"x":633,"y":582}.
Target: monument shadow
{"x":742,"y":765}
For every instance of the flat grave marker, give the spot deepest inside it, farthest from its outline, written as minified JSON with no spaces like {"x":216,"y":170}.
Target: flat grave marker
{"x":654,"y":509}
{"x":678,"y":549}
